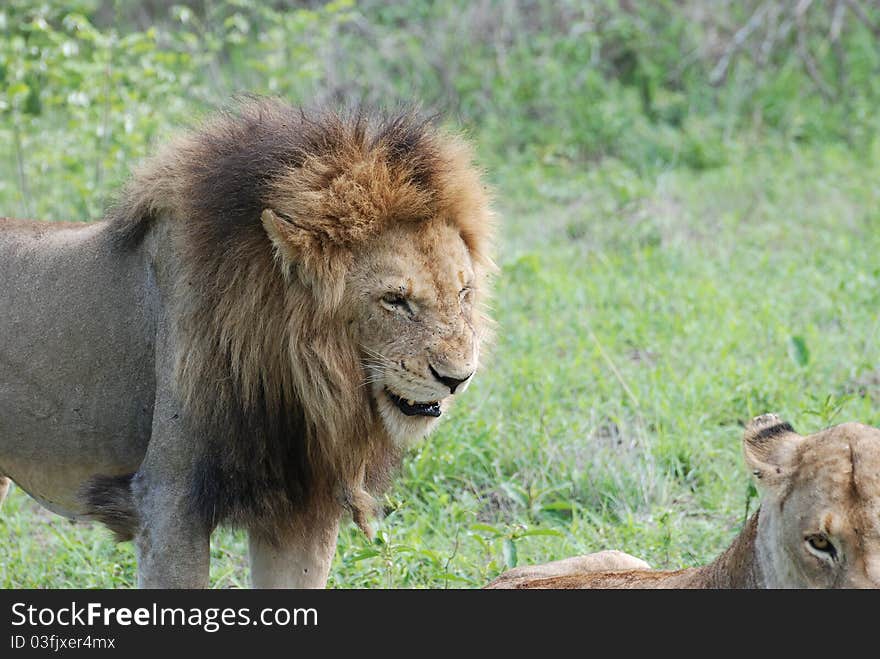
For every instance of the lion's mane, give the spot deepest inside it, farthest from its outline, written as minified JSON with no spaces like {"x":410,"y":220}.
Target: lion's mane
{"x":269,"y":376}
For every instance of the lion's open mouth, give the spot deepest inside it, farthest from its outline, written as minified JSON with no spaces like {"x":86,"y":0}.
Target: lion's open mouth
{"x":412,"y":408}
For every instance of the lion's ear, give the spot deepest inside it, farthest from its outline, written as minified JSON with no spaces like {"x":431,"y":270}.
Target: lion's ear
{"x":320,"y":268}
{"x":770,"y":445}
{"x":282,"y":234}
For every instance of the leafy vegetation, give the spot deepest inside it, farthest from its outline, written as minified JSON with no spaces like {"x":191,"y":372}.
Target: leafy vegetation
{"x":690,"y":229}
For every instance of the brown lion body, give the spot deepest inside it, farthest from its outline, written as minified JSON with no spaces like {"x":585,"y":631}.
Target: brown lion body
{"x":238,"y":338}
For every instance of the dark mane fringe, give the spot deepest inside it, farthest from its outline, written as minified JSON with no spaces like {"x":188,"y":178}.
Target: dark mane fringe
{"x":231,"y":162}
{"x":109,"y":501}
{"x":279,"y":439}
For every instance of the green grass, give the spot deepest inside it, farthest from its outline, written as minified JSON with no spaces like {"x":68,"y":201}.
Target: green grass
{"x":642,"y":319}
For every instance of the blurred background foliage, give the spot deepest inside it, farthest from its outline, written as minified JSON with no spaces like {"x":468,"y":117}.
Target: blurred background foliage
{"x":87,"y":85}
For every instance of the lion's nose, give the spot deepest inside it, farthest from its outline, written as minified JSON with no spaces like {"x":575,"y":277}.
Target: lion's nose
{"x":452,"y":383}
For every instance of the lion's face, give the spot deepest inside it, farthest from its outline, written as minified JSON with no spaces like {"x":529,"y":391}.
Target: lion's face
{"x":384,"y":232}
{"x":415,"y":293}
{"x":820,"y":514}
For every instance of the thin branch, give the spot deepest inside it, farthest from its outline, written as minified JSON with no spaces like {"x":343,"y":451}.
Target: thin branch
{"x":836,"y":21}
{"x":771,"y":34}
{"x":450,"y":558}
{"x":721,"y":70}
{"x":803,"y":50}
{"x":859,"y":11}
{"x":837,"y":18}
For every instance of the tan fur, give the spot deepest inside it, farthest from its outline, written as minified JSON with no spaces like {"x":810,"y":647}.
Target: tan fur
{"x":261,"y":249}
{"x":827,"y":483}
{"x":346,"y":201}
{"x":600,"y":561}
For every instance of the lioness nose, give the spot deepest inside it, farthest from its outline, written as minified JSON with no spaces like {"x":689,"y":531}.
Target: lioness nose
{"x":452,"y":383}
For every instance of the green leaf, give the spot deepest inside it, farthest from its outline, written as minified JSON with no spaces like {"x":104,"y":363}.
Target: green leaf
{"x":558,"y":505}
{"x":17,"y":89}
{"x":798,"y":351}
{"x":449,"y":576}
{"x":362,"y":555}
{"x":526,"y":534}
{"x":751,"y":491}
{"x":485,"y":528}
{"x":431,"y":556}
{"x":509,"y":551}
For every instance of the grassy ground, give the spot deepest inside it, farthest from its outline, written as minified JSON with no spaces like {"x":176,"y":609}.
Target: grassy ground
{"x":642,"y":320}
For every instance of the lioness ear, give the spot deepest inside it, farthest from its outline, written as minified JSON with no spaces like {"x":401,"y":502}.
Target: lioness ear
{"x":770,"y":444}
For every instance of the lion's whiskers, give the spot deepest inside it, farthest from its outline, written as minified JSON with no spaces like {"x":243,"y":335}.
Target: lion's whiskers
{"x":377,"y":366}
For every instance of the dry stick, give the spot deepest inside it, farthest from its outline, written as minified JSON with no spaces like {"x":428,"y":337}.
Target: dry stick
{"x":780,"y":34}
{"x":719,"y":73}
{"x":450,"y":558}
{"x":836,"y":46}
{"x":859,"y":11}
{"x":809,"y":63}
{"x":837,"y":21}
{"x":771,"y":34}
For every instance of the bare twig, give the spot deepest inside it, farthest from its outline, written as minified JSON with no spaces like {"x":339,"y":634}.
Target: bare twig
{"x":834,"y":33}
{"x":450,"y":558}
{"x":779,"y":24}
{"x":859,"y":11}
{"x":803,"y":50}
{"x":770,"y":36}
{"x":719,"y":73}
{"x":837,"y":20}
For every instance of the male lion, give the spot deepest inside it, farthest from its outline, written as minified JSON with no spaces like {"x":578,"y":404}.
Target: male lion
{"x":818,"y":525}
{"x":279,"y":302}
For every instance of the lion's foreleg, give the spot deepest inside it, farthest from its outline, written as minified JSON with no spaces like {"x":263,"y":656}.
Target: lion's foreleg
{"x":298,"y":558}
{"x":172,"y":545}
{"x":173,"y":539}
{"x":172,"y":557}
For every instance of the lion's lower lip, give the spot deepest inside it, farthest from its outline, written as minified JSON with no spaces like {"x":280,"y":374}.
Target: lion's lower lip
{"x":413,"y":408}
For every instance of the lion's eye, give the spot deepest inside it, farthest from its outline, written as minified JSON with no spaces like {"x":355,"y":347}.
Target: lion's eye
{"x":464,"y":293}
{"x":819,"y":544}
{"x":396,"y":301}
{"x":393,"y":298}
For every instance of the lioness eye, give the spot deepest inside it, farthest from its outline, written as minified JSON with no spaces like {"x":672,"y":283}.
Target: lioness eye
{"x":464,"y":293}
{"x":820,"y":543}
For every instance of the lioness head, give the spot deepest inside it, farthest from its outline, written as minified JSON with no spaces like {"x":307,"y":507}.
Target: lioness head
{"x":819,"y":525}
{"x":389,"y":231}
